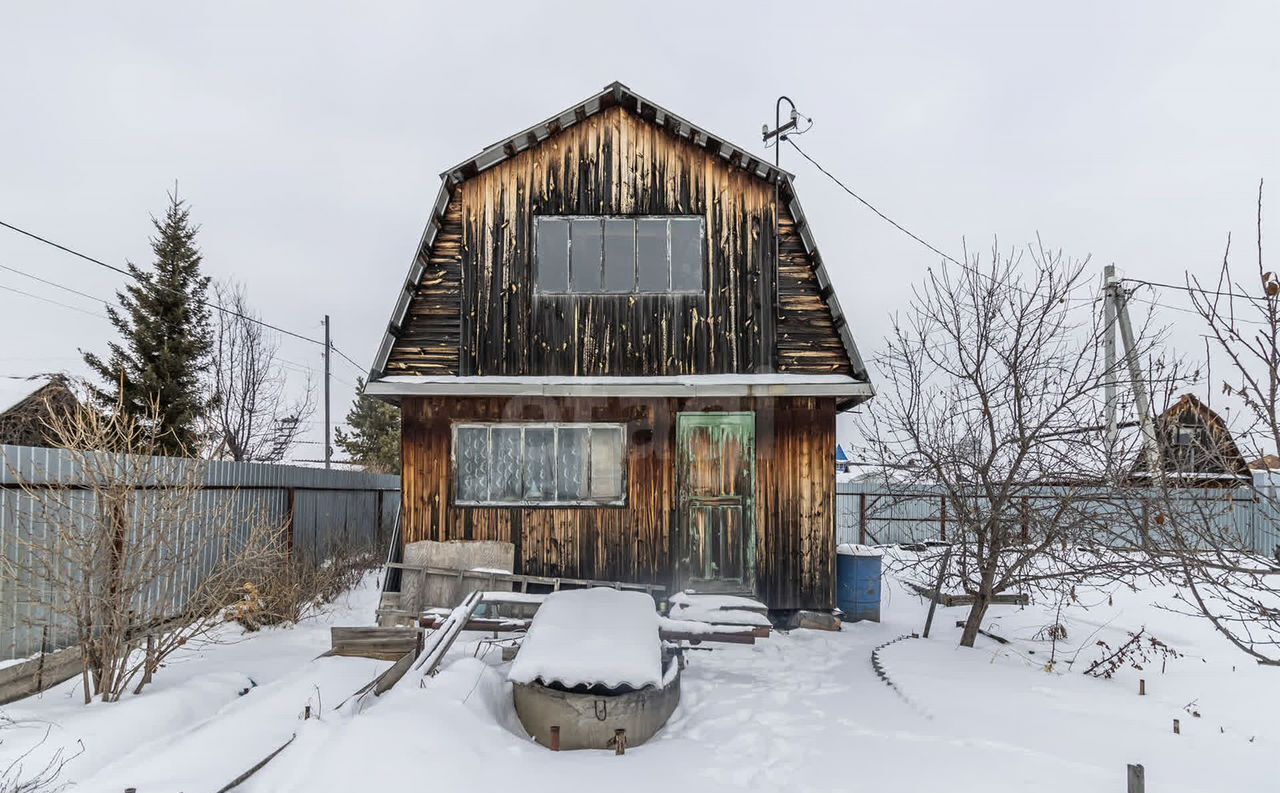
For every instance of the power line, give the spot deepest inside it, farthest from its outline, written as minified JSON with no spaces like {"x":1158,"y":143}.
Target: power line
{"x":358,"y":367}
{"x":869,"y":205}
{"x":122,"y":271}
{"x":906,"y":231}
{"x":53,"y":302}
{"x":1195,"y":290}
{"x":206,"y":303}
{"x":52,"y":283}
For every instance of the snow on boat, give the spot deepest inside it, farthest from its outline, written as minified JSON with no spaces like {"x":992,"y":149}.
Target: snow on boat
{"x":593,"y":665}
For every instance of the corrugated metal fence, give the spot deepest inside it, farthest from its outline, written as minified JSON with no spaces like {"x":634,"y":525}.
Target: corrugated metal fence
{"x":876,"y":513}
{"x":324,"y":509}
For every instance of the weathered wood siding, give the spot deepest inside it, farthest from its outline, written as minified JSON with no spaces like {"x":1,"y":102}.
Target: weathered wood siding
{"x":475,"y":313}
{"x":805,"y":337}
{"x":795,"y":497}
{"x":430,"y":341}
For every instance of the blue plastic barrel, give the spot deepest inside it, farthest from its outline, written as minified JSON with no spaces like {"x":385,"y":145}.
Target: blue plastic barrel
{"x":858,"y":582}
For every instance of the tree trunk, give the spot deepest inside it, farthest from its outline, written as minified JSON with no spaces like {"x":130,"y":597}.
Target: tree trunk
{"x":983,"y":598}
{"x":976,"y":614}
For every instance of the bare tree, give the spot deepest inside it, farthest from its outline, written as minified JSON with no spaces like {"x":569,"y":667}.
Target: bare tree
{"x":132,"y":557}
{"x":991,"y":397}
{"x":1225,"y":575}
{"x":254,"y":416}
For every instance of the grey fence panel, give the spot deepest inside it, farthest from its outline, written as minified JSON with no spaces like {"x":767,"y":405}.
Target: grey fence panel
{"x":880,"y":513}
{"x":324,"y":509}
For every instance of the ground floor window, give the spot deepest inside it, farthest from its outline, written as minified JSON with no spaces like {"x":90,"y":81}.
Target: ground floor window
{"x":538,"y":464}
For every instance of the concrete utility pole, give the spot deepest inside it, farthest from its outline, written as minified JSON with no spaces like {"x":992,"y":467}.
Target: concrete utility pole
{"x":328,"y":450}
{"x":1117,"y":296}
{"x":1109,"y":347}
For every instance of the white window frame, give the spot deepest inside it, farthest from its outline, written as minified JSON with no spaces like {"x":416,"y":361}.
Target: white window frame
{"x":556,"y":426}
{"x":635,"y":281}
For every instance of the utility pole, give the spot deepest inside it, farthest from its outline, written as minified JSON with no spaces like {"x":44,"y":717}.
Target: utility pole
{"x":328,"y":450}
{"x":1119,"y":298}
{"x":1109,"y":349}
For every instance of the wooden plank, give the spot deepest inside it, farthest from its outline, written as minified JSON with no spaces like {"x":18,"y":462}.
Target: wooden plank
{"x":438,"y":643}
{"x":387,"y":644}
{"x":392,"y":676}
{"x":38,"y":674}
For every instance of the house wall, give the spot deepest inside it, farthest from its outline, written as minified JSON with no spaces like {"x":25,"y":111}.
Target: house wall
{"x":474,"y":312}
{"x":794,"y":513}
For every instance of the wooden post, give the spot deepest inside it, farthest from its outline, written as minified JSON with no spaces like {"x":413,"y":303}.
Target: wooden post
{"x":1142,"y":687}
{"x":289,"y":498}
{"x":1177,"y":727}
{"x":44,"y":645}
{"x":862,"y":518}
{"x":942,"y":500}
{"x":555,"y":737}
{"x":620,"y":741}
{"x":149,"y":665}
{"x":306,"y":713}
{"x":1137,"y":778}
{"x":937,"y":591}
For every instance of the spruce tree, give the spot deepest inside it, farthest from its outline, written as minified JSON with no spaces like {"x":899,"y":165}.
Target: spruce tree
{"x":165,"y":337}
{"x":374,"y":440}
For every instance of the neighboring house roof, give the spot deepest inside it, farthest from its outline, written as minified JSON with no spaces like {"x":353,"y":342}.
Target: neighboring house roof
{"x":25,"y":405}
{"x":1267,"y":462}
{"x":1196,"y":446}
{"x":614,"y":95}
{"x":840,"y":455}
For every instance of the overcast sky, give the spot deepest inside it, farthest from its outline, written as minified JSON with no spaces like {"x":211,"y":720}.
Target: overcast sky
{"x":309,"y":137}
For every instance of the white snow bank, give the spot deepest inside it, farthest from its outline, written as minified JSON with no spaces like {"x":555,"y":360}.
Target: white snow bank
{"x":592,"y":637}
{"x":855,"y":549}
{"x":718,"y":609}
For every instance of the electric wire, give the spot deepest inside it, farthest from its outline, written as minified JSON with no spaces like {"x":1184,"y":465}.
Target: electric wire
{"x":54,"y":284}
{"x":53,"y":302}
{"x":970,"y":268}
{"x":206,"y":303}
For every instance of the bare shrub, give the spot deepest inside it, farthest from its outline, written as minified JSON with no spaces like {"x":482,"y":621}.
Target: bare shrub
{"x":31,"y":773}
{"x":289,"y":588}
{"x":1136,"y":652}
{"x":134,"y":553}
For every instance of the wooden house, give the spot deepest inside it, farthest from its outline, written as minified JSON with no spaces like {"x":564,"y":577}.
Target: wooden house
{"x":617,"y":348}
{"x":28,"y":404}
{"x":1196,"y":448}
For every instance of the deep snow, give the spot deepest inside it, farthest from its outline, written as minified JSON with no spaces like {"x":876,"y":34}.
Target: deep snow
{"x":798,"y":712}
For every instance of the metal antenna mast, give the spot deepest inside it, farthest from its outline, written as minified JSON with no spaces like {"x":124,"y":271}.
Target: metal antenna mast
{"x":769,"y":281}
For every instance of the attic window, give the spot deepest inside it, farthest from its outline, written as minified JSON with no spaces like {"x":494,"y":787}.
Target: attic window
{"x":528,"y":464}
{"x":618,"y":255}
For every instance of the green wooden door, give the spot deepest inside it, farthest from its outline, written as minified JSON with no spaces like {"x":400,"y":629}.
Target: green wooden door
{"x":716,"y":484}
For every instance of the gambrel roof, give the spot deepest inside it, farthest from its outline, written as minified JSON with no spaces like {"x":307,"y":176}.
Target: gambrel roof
{"x":613,"y":95}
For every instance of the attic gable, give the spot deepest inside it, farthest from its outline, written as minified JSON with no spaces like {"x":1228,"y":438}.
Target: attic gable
{"x":428,"y":324}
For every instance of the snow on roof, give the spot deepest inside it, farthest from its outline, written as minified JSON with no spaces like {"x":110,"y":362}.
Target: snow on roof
{"x":592,"y":637}
{"x":15,"y":389}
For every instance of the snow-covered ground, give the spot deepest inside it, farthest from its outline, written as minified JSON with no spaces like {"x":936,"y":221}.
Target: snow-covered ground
{"x":802,"y":711}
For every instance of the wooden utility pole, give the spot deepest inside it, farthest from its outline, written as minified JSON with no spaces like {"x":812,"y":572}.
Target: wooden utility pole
{"x":328,"y":448}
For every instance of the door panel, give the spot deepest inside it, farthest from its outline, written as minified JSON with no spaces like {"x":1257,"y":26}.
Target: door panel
{"x":715,"y":456}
